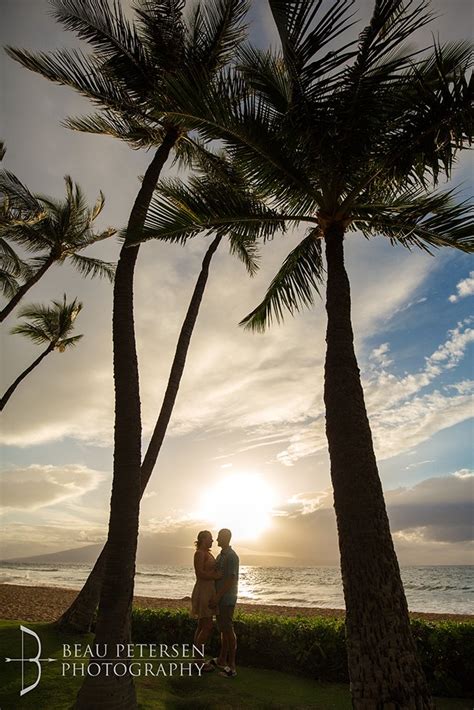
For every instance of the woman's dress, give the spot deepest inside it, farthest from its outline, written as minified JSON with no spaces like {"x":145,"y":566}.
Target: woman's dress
{"x":204,"y":590}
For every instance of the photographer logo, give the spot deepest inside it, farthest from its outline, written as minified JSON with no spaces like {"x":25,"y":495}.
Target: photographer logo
{"x":36,"y":660}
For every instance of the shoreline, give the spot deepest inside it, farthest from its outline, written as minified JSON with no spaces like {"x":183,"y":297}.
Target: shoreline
{"x":38,"y":603}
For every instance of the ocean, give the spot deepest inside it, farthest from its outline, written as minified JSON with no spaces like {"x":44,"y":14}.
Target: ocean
{"x":440,"y":589}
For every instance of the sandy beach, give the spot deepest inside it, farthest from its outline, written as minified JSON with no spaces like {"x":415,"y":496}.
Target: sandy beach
{"x":47,"y":603}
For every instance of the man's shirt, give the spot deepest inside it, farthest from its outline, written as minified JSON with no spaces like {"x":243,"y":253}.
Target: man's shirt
{"x":227,"y":562}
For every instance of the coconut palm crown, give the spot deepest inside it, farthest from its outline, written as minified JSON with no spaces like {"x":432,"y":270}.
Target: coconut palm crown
{"x":127,"y":74}
{"x":50,"y":325}
{"x":54,"y":230}
{"x":343,"y":136}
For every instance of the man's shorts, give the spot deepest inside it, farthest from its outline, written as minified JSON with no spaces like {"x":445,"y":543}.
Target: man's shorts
{"x":224,"y":617}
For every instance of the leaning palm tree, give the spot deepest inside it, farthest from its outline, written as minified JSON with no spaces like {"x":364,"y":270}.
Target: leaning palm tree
{"x":54,"y":230}
{"x":127,"y":76}
{"x":79,"y":616}
{"x":51,"y":325}
{"x":344,"y":139}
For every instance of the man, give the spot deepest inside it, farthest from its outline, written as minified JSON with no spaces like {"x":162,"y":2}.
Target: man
{"x":227,"y":563}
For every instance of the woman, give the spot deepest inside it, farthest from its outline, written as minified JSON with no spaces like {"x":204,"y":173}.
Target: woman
{"x":204,"y":590}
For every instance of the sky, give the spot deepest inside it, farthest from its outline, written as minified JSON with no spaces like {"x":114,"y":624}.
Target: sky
{"x":246,"y":447}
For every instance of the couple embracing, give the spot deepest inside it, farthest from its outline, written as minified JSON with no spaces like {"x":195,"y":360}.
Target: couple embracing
{"x":215,"y":592}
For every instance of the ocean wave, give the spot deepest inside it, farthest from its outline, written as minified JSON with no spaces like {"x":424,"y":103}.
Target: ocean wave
{"x":293,"y":600}
{"x":156,"y":574}
{"x":437,"y":587}
{"x":36,"y":569}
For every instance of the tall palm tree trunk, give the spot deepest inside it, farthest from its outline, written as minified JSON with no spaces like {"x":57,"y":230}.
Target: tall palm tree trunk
{"x":383,"y":665}
{"x":26,"y":287}
{"x":177,"y":367}
{"x":79,"y":616}
{"x":114,"y":615}
{"x":24,"y":374}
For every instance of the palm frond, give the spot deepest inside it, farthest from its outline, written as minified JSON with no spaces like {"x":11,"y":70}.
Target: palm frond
{"x":187,"y":151}
{"x":31,"y":331}
{"x":434,"y":118}
{"x":33,"y":237}
{"x":13,"y":269}
{"x":162,"y":31}
{"x":9,"y":284}
{"x":84,"y":73}
{"x":3,"y":150}
{"x":216,"y":29}
{"x":414,"y":218}
{"x":267,"y":74}
{"x":115,"y":40}
{"x":87,"y":266}
{"x":247,"y":251}
{"x":183,"y":211}
{"x":392,"y":22}
{"x":11,"y":262}
{"x":294,"y":285}
{"x":306,"y":28}
{"x":135,"y":132}
{"x":21,"y":203}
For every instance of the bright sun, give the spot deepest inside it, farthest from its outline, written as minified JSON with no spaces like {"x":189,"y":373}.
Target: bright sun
{"x":242,"y":502}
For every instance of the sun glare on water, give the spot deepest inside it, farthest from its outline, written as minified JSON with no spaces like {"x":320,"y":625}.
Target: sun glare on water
{"x":242,"y":502}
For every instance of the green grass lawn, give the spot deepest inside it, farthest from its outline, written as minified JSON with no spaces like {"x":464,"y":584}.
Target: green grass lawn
{"x":255,"y":689}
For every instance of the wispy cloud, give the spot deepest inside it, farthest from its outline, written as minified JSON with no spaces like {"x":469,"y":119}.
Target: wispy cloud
{"x":38,"y":486}
{"x":417,"y":464}
{"x":401,"y":414}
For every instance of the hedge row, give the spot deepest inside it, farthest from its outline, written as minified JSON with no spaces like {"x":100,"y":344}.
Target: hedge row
{"x":315,"y":647}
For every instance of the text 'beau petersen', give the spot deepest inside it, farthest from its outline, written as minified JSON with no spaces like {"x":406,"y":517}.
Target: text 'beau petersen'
{"x":133,"y":650}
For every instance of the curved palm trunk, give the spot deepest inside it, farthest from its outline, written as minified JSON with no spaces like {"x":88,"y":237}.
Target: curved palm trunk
{"x":79,"y":616}
{"x":25,"y":288}
{"x":383,"y":665}
{"x":113,"y":621}
{"x":24,"y":374}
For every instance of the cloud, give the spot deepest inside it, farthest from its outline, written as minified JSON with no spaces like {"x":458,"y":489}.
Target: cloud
{"x":380,"y":355}
{"x":417,"y":464}
{"x":38,"y":486}
{"x":401,"y":413}
{"x":464,"y":288}
{"x":305,"y":503}
{"x":437,"y":509}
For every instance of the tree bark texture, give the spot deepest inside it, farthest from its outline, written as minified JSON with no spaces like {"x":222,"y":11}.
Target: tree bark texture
{"x":79,"y":616}
{"x":384,"y":669}
{"x":114,"y":614}
{"x":24,"y":374}
{"x":26,"y":287}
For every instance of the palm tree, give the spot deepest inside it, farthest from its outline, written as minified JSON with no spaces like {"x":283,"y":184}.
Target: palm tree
{"x":51,"y":325}
{"x":344,"y":138}
{"x":126,"y":77}
{"x":54,"y":230}
{"x":79,"y":616}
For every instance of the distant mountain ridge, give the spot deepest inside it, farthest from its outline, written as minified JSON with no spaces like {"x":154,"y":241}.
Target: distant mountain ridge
{"x":149,"y":553}
{"x":80,"y":555}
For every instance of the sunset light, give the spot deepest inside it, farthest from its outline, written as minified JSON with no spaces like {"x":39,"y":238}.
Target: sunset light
{"x":242,"y":502}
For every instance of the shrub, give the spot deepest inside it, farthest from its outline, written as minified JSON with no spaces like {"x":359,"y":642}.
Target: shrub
{"x":315,"y":646}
